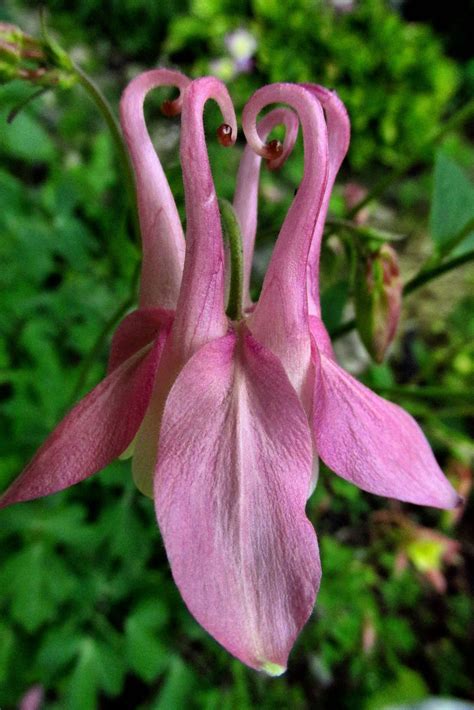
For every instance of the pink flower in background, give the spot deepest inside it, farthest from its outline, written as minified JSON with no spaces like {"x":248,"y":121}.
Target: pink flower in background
{"x":225,"y":416}
{"x":32,"y":699}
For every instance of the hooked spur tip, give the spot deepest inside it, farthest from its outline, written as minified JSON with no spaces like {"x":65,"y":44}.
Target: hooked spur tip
{"x":273,"y":150}
{"x":224,"y":135}
{"x":171,"y":108}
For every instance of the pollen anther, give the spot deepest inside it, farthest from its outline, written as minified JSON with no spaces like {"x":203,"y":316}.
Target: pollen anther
{"x":224,"y":134}
{"x":171,"y":108}
{"x":273,"y":149}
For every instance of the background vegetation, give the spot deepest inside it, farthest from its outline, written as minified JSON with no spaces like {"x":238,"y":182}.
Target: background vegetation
{"x":88,"y":608}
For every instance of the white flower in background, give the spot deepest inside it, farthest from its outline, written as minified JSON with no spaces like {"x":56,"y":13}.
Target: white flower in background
{"x":223,"y":68}
{"x":241,"y":45}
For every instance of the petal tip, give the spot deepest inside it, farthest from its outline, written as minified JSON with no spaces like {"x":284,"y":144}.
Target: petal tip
{"x":272,"y":669}
{"x":451,"y":500}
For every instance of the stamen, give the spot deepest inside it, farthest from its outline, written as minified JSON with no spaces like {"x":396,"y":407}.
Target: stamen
{"x":171,"y":108}
{"x":273,"y":149}
{"x":224,"y":134}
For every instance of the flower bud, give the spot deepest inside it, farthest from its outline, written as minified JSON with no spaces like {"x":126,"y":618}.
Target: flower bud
{"x":39,"y":62}
{"x":378,"y":297}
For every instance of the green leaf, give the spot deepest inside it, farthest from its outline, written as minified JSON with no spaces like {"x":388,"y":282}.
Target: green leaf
{"x":24,"y":138}
{"x":177,"y":688}
{"x":58,"y":648}
{"x":408,"y":687}
{"x":147,"y":655}
{"x":452,"y":207}
{"x":83,"y":688}
{"x":35,"y":582}
{"x":7,"y":643}
{"x":333,"y":300}
{"x":99,"y":667}
{"x":110,"y":668}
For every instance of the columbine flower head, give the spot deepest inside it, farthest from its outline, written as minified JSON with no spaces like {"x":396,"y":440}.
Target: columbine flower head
{"x":226,"y":405}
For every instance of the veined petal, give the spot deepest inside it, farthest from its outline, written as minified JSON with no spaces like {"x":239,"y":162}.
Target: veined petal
{"x":233,"y":474}
{"x":280,"y":319}
{"x":246,"y":193}
{"x":321,"y":337}
{"x":138,"y":328}
{"x":94,"y":433}
{"x":200,"y":315}
{"x":339,"y":131}
{"x":373,"y":443}
{"x":162,"y":233}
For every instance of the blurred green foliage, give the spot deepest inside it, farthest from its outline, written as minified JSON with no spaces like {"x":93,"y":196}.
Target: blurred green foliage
{"x":393,"y":77}
{"x":88,"y":607}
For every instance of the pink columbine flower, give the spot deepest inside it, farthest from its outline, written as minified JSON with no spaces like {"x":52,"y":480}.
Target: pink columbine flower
{"x":225,"y":418}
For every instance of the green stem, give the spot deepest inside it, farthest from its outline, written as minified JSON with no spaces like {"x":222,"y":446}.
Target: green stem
{"x":114,"y":127}
{"x":62,"y":59}
{"x":379,"y":188}
{"x":233,"y":237}
{"x":421,"y":278}
{"x":362,"y":230}
{"x":426,"y":275}
{"x":32,"y":97}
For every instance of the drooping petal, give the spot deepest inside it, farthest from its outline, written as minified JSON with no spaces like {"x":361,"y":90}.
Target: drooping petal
{"x":246,"y":193}
{"x":339,"y":131}
{"x":162,"y":234}
{"x":94,"y":433}
{"x":233,"y":474}
{"x":280,"y":319}
{"x":138,"y":328}
{"x":373,"y":443}
{"x":200,"y":315}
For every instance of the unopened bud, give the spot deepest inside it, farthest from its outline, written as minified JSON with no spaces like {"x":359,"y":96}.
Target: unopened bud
{"x":36,"y":61}
{"x":378,"y":297}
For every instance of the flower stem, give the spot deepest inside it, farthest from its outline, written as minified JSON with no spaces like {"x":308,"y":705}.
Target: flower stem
{"x":422,"y":277}
{"x":233,"y":237}
{"x":114,"y":127}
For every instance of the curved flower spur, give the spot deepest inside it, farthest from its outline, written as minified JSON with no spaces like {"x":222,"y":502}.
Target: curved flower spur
{"x":227,"y":414}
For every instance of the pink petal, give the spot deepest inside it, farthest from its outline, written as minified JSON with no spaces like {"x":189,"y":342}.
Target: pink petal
{"x":162,"y":234}
{"x":280,"y":320}
{"x":373,"y":443}
{"x":246,"y":193}
{"x":146,"y":441}
{"x":233,"y":474}
{"x":339,"y":130}
{"x":321,"y":336}
{"x":138,"y":328}
{"x":200,"y":316}
{"x":94,"y":433}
